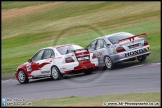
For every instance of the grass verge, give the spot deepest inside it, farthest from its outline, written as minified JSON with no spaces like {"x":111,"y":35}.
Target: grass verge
{"x":111,"y":99}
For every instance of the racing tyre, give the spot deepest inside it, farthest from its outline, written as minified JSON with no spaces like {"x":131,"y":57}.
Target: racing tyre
{"x":141,"y":58}
{"x":22,"y":78}
{"x":56,"y":73}
{"x":108,"y":63}
{"x":88,"y":71}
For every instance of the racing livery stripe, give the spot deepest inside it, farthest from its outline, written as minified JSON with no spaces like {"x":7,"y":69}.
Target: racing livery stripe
{"x":38,"y":67}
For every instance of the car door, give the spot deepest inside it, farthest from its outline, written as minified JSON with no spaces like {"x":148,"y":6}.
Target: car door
{"x":101,"y":50}
{"x":92,"y":46}
{"x":33,"y":66}
{"x":46,"y":61}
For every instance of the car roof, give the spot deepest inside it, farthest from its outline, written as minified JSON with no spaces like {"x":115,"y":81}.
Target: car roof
{"x":109,"y":35}
{"x":51,"y":47}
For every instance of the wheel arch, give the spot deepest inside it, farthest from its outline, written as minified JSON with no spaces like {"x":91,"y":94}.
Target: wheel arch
{"x":112,"y":63}
{"x":21,"y":69}
{"x":56,"y":67}
{"x":108,"y":56}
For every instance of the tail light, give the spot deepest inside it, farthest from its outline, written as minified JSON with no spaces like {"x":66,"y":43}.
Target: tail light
{"x":94,"y":56}
{"x":145,"y":43}
{"x":69,"y":59}
{"x":120,"y":49}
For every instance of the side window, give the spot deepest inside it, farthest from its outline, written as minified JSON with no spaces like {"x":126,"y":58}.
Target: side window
{"x":101,"y":44}
{"x":48,"y":53}
{"x":69,"y":49}
{"x":52,"y":54}
{"x":62,"y":50}
{"x":92,"y":45}
{"x":38,"y":55}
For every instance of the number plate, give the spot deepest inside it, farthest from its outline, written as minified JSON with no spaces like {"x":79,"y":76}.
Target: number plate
{"x":133,"y":46}
{"x":83,"y":58}
{"x":86,"y":58}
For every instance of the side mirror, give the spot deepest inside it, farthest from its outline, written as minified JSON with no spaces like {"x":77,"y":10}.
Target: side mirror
{"x":29,"y":60}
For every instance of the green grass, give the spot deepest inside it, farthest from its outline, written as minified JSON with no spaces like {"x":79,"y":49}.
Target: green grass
{"x":18,"y":4}
{"x":98,"y":100}
{"x":25,"y":34}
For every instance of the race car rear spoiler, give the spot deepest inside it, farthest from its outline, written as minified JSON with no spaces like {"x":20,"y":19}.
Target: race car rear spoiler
{"x":132,"y":37}
{"x":79,"y":50}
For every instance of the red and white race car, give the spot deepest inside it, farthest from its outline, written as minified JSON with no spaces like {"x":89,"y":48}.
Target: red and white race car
{"x":56,"y":61}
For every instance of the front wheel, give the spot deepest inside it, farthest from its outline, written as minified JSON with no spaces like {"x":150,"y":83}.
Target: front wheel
{"x":22,"y":78}
{"x":56,"y":73}
{"x":108,"y":62}
{"x":141,"y":58}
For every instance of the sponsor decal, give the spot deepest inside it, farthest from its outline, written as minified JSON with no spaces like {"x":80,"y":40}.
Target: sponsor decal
{"x":114,"y":50}
{"x":148,"y":48}
{"x":136,"y":52}
{"x":28,"y":67}
{"x":101,"y":61}
{"x":43,"y":72}
{"x":99,"y":53}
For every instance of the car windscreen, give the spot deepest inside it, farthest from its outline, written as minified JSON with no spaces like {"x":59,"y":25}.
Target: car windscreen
{"x":113,"y":39}
{"x":65,"y":49}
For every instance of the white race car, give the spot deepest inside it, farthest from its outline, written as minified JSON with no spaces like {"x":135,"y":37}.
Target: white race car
{"x":55,"y":61}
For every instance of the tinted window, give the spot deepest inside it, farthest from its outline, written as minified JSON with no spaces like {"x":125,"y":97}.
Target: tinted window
{"x":101,"y":44}
{"x":92,"y":45}
{"x":48,"y":53}
{"x":38,"y":55}
{"x":62,"y":50}
{"x":113,"y":39}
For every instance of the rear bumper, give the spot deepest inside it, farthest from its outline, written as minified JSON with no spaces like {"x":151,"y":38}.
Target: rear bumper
{"x":123,"y":56}
{"x":93,"y":63}
{"x":124,"y":59}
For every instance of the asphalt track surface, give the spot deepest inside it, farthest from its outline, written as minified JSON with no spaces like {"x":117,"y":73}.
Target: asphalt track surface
{"x":123,"y":79}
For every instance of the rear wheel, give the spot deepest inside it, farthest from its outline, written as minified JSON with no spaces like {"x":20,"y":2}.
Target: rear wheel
{"x":141,"y":58}
{"x":88,"y":71}
{"x":56,"y":73}
{"x":22,"y":78}
{"x":108,"y":62}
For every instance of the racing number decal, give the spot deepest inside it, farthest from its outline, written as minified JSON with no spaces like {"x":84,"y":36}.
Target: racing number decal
{"x":28,"y":67}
